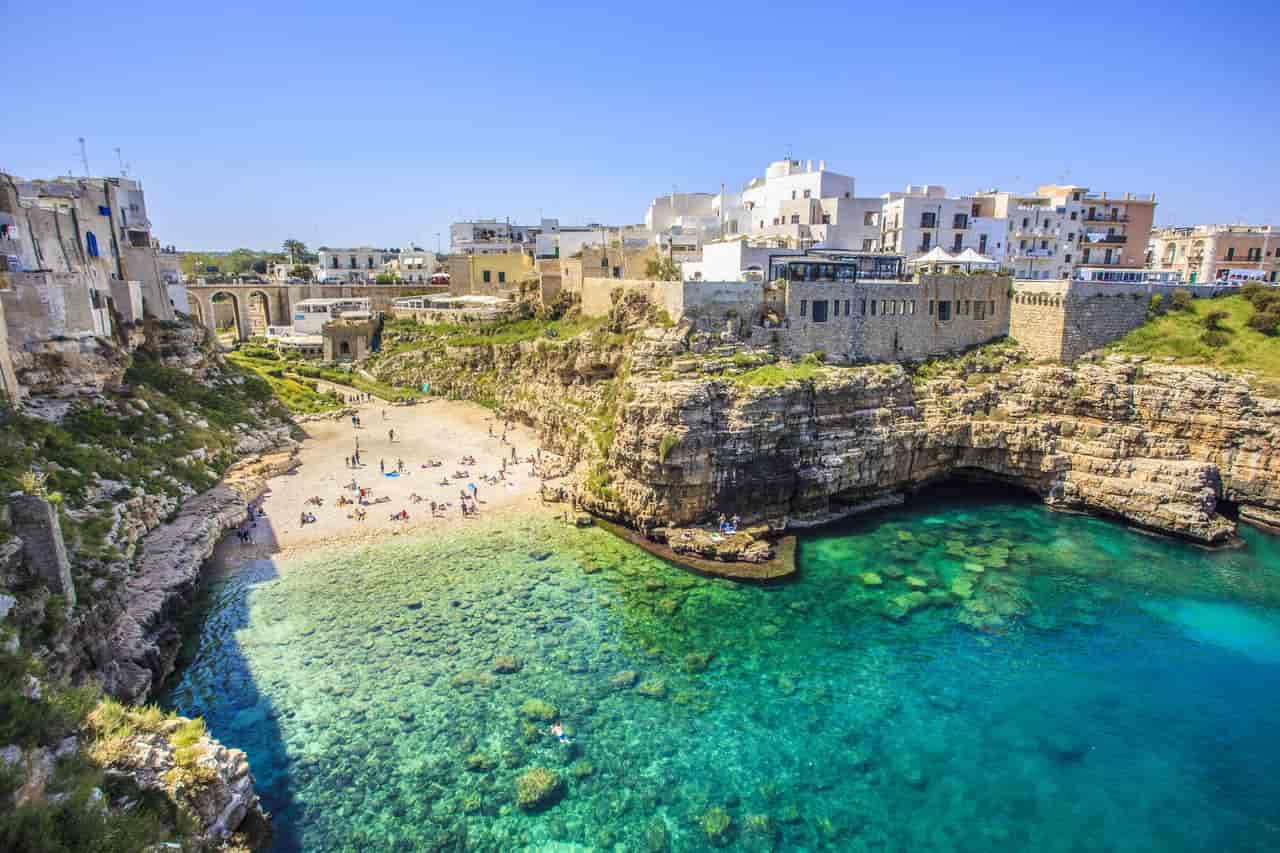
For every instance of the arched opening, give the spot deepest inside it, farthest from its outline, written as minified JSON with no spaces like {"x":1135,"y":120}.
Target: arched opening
{"x":226,"y":318}
{"x":197,"y":311}
{"x":91,"y":241}
{"x":344,"y":348}
{"x":259,"y":313}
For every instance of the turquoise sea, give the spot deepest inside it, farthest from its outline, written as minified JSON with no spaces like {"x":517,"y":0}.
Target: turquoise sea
{"x":969,"y":673}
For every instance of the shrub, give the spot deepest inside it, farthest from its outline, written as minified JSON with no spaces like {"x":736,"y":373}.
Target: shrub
{"x":1213,"y":320}
{"x":1215,"y":338}
{"x":1180,"y":301}
{"x":668,"y":442}
{"x":1156,"y":306}
{"x":1265,"y":321}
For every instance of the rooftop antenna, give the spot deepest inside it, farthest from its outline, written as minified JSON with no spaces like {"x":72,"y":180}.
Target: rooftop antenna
{"x":124,"y":167}
{"x":84,"y":157}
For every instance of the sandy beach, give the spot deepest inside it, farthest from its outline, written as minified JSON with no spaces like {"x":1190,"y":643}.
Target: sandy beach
{"x":435,"y":429}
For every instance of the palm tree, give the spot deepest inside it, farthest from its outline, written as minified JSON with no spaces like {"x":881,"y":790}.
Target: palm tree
{"x":296,"y":249}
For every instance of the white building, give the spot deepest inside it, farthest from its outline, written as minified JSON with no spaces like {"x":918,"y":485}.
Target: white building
{"x":733,"y":260}
{"x":360,"y":264}
{"x":798,"y":205}
{"x":311,"y":315}
{"x":914,"y":221}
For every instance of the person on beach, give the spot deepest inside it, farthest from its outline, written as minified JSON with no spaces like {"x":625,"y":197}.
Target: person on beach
{"x":557,"y":732}
{"x":391,"y":436}
{"x":400,"y":465}
{"x":382,"y":466}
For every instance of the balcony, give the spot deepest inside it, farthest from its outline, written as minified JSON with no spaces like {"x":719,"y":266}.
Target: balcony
{"x":1033,"y":253}
{"x":1098,"y":217}
{"x":1104,"y":239}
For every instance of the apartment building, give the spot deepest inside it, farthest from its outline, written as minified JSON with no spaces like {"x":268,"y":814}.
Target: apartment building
{"x":90,"y":240}
{"x":1056,"y":229}
{"x":488,"y":274}
{"x":1208,"y":253}
{"x":361,"y":264}
{"x":922,"y":217}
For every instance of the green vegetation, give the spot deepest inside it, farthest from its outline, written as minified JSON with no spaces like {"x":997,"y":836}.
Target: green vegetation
{"x":299,"y":397}
{"x":777,"y":375}
{"x":168,"y":432}
{"x":983,"y":360}
{"x":662,"y":269}
{"x":350,"y":378}
{"x":1229,"y":333}
{"x":409,"y":335}
{"x":668,"y":442}
{"x":239,"y":262}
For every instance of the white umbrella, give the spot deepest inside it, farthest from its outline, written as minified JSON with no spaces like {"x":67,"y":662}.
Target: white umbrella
{"x":936,"y":255}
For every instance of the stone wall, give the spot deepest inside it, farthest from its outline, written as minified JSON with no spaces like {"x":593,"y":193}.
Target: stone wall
{"x":894,"y":321}
{"x":9,"y":386}
{"x":1062,"y":320}
{"x":40,"y":306}
{"x":597,"y":294}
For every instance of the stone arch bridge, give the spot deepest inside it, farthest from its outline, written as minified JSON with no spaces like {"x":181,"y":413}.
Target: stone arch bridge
{"x":277,"y":300}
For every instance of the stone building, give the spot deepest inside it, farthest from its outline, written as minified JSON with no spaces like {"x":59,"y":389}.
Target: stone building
{"x":497,"y":274}
{"x":359,"y":264}
{"x":349,"y":339}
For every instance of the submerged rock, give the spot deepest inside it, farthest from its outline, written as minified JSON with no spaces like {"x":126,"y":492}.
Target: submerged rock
{"x":538,"y":789}
{"x":537,"y":709}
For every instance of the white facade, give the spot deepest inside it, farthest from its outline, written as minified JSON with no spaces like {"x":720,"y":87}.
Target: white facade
{"x":359,"y":264}
{"x":311,"y":315}
{"x":732,"y":260}
{"x":915,"y":221}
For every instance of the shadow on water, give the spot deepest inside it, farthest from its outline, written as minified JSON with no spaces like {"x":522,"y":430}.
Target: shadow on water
{"x":214,"y":680}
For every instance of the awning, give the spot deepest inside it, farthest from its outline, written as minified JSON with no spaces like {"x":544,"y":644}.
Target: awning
{"x":936,"y":255}
{"x":972,"y":258}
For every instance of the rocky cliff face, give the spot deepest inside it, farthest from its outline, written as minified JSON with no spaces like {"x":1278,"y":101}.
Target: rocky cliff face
{"x":1164,"y":447}
{"x":661,"y":442}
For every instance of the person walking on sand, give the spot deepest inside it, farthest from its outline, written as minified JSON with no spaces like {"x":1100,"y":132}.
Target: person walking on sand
{"x":382,"y":466}
{"x":391,"y":436}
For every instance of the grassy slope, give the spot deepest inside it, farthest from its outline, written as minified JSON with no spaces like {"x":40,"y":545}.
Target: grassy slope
{"x":1180,"y":335}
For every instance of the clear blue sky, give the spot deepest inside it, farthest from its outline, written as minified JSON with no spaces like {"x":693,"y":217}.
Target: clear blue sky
{"x":379,"y":123}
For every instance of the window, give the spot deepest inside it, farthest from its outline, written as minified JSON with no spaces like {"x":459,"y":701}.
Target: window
{"x":1044,"y":244}
{"x":955,"y":245}
{"x":961,"y":220}
{"x":873,"y":308}
{"x":1106,"y":259}
{"x":92,"y":241}
{"x":485,"y":276}
{"x":1086,"y":256}
{"x":1071,"y":236}
{"x":867,"y":245}
{"x":930,"y":307}
{"x":982,"y":244}
{"x":1022,"y":244}
{"x":804,"y":307}
{"x":868,"y":219}
{"x":979,"y":310}
{"x":925,"y":240}
{"x":344,"y":348}
{"x":502,"y":276}
{"x":863,"y":308}
{"x":795,"y":219}
{"x":944,"y":310}
{"x":912,"y":304}
{"x":1067,"y":258}
{"x":819,"y":310}
{"x":826,"y":219}
{"x":604,"y":263}
{"x":617,"y":272}
{"x":846,"y":308}
{"x":1073,"y":216}
{"x":793,"y":195}
{"x":991,"y":307}
{"x":929,"y":220}
{"x":806,"y":193}
{"x":1075,"y":197}
{"x":1025,"y":222}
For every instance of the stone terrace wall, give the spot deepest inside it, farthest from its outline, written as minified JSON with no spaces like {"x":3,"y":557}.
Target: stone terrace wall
{"x":895,"y":321}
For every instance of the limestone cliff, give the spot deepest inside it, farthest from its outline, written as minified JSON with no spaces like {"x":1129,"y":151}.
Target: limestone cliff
{"x":1164,"y":447}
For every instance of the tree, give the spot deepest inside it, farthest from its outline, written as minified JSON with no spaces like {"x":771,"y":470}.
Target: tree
{"x":384,"y":278}
{"x":662,"y":269}
{"x":301,"y":271}
{"x":1213,"y":320}
{"x":295,"y":249}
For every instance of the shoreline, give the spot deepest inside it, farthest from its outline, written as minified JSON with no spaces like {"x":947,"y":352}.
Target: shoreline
{"x":433,"y":430}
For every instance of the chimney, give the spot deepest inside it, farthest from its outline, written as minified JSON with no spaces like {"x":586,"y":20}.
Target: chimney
{"x":808,"y":166}
{"x":822,"y":165}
